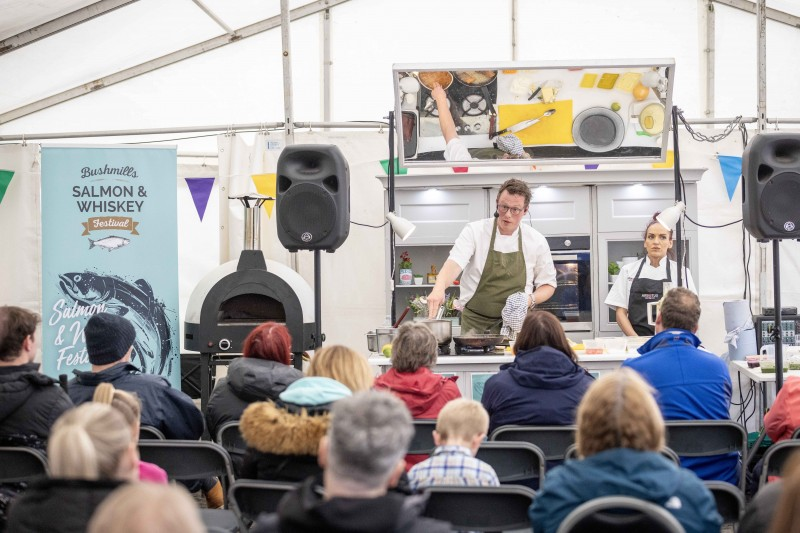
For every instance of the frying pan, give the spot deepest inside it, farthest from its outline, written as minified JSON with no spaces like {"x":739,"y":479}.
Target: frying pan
{"x":419,"y":76}
{"x":460,"y":75}
{"x":485,"y":341}
{"x":598,"y":129}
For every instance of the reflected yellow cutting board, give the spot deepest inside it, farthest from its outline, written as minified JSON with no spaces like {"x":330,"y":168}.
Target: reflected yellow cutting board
{"x":555,"y":129}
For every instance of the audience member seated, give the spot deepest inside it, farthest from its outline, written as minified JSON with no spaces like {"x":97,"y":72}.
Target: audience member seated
{"x":90,"y":453}
{"x":283,"y":437}
{"x":147,"y":508}
{"x":30,"y":402}
{"x":343,"y":364}
{"x":362,"y":456}
{"x":262,"y":373}
{"x":414,"y":352}
{"x":692,"y":383}
{"x":460,"y":429}
{"x":544,"y":383}
{"x":619,"y":434}
{"x":130,"y":408}
{"x":776,"y":510}
{"x":783,"y":418}
{"x":109,"y":342}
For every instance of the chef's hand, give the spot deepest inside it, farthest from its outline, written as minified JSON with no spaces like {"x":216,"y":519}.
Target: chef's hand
{"x":438,"y":94}
{"x":435,"y":300}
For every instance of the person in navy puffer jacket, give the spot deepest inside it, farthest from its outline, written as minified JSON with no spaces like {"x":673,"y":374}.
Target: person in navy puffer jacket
{"x":544,"y":383}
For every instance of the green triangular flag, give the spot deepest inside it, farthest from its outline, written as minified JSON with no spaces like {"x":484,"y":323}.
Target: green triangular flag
{"x":5,"y":179}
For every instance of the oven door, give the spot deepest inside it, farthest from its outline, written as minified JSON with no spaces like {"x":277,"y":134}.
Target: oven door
{"x":572,"y":301}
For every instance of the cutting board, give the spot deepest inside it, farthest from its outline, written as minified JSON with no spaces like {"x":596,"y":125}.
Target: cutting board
{"x":555,"y":129}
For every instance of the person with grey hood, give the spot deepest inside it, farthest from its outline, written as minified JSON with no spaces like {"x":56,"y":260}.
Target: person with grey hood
{"x":261,"y":374}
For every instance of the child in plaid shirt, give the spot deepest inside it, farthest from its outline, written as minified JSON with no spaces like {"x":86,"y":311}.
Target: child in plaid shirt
{"x":460,"y":429}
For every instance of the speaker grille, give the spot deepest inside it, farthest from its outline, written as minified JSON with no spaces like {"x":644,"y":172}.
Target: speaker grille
{"x":780,"y":202}
{"x":307,"y":213}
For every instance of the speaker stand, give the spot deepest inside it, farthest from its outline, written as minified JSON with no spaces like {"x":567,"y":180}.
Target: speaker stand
{"x":318,"y":336}
{"x":777,"y":332}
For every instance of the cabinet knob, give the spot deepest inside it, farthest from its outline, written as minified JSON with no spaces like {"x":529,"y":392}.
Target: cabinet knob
{"x":567,"y":242}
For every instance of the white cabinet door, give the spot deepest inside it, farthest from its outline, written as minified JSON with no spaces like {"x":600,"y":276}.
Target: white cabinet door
{"x":440,"y":214}
{"x":630,"y":207}
{"x":557,"y":210}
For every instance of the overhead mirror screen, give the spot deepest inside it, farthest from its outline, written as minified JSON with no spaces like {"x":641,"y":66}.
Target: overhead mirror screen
{"x":586,"y":112}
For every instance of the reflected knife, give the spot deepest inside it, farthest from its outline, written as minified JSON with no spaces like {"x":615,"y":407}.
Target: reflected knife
{"x":519,"y":126}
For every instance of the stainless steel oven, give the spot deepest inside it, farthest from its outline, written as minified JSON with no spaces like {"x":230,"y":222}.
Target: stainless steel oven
{"x":572,"y":301}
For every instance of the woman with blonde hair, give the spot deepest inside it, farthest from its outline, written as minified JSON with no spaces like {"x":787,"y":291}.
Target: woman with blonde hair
{"x":129,"y":406}
{"x":148,"y":508}
{"x":90,"y":453}
{"x":344,"y":365}
{"x":620,"y":432}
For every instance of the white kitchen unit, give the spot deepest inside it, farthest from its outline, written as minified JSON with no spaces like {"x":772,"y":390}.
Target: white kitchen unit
{"x":440,"y":214}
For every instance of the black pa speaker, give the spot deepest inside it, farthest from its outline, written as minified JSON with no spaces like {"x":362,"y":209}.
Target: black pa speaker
{"x":771,"y":188}
{"x":313,"y":197}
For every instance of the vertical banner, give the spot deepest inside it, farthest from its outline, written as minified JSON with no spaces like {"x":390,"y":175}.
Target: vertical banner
{"x":110,"y":244}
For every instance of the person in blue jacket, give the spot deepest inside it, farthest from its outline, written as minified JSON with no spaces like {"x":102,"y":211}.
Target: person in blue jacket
{"x":544,"y":383}
{"x":619,"y":434}
{"x":691,"y":383}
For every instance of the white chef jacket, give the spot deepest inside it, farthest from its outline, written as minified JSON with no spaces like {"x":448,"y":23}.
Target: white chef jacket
{"x":472,"y":248}
{"x":620,"y":292}
{"x":456,"y":150}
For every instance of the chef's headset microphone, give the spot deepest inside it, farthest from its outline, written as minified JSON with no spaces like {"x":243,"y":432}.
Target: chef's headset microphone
{"x":496,"y":214}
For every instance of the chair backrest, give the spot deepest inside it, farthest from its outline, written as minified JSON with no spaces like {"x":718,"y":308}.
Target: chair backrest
{"x":229,"y":437}
{"x":481,"y":508}
{"x":775,"y":457}
{"x":666,"y":451}
{"x":20,"y":463}
{"x":619,"y":514}
{"x":422,"y":441}
{"x":189,"y":459}
{"x":513,"y":461}
{"x":249,"y":497}
{"x":150,"y":433}
{"x":552,"y":440}
{"x":704,"y":438}
{"x":796,"y":433}
{"x":730,"y":502}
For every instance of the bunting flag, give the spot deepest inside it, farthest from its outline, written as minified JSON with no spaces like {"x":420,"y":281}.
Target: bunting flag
{"x":5,"y":179}
{"x":266,"y":184}
{"x":668,"y":163}
{"x":731,"y":167}
{"x":590,"y":167}
{"x":200,"y":189}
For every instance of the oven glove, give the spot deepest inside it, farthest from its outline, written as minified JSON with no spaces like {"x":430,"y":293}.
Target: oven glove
{"x":514,"y":313}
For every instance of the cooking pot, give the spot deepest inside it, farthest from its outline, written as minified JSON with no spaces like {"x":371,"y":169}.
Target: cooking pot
{"x":441,"y":329}
{"x":384,"y":336}
{"x":372,"y":341}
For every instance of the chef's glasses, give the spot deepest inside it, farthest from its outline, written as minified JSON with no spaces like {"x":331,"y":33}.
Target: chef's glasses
{"x":503,"y":209}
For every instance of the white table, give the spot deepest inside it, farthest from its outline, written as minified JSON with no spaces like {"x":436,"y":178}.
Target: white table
{"x":763,"y":383}
{"x":474,"y":370}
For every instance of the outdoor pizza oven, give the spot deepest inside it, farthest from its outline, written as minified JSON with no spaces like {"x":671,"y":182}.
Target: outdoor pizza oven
{"x":237,"y":296}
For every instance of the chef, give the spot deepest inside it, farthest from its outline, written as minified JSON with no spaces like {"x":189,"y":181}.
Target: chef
{"x":641,"y":284}
{"x":498,"y":257}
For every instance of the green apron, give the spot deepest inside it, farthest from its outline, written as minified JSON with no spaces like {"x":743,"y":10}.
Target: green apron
{"x":503,"y":275}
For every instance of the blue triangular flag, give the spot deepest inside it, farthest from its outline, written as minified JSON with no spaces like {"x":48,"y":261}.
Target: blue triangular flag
{"x":731,"y":167}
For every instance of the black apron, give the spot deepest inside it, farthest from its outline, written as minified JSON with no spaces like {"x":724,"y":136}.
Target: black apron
{"x":503,"y":274}
{"x":644,"y":291}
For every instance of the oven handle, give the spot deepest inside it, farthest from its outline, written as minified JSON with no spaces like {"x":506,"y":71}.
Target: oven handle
{"x":565,"y":257}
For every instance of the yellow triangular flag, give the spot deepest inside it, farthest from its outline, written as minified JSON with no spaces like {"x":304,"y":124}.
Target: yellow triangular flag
{"x":266,"y":185}
{"x":668,"y":163}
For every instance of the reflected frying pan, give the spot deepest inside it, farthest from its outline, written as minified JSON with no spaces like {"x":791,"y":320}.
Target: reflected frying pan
{"x":598,"y":129}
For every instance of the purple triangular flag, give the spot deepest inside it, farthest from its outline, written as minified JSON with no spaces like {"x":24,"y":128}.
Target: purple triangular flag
{"x":731,"y":167}
{"x":590,"y":167}
{"x":201,"y":190}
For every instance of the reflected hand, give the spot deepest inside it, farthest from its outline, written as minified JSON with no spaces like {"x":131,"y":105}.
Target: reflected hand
{"x":438,"y":94}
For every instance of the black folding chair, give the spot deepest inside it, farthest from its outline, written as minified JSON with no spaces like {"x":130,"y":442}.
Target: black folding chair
{"x":705,"y":438}
{"x":619,"y":514}
{"x":249,"y":497}
{"x":191,"y":460}
{"x":666,"y":451}
{"x":775,"y":457}
{"x":229,"y":437}
{"x":552,"y":440}
{"x":422,"y":441}
{"x":150,"y":433}
{"x":513,"y":462}
{"x":481,"y":508}
{"x":729,"y":500}
{"x":21,"y":463}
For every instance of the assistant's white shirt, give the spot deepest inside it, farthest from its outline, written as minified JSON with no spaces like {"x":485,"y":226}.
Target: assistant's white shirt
{"x":472,"y":248}
{"x":621,"y":290}
{"x":456,"y":150}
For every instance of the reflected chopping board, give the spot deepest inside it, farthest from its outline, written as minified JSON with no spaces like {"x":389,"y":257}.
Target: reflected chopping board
{"x":555,"y":129}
